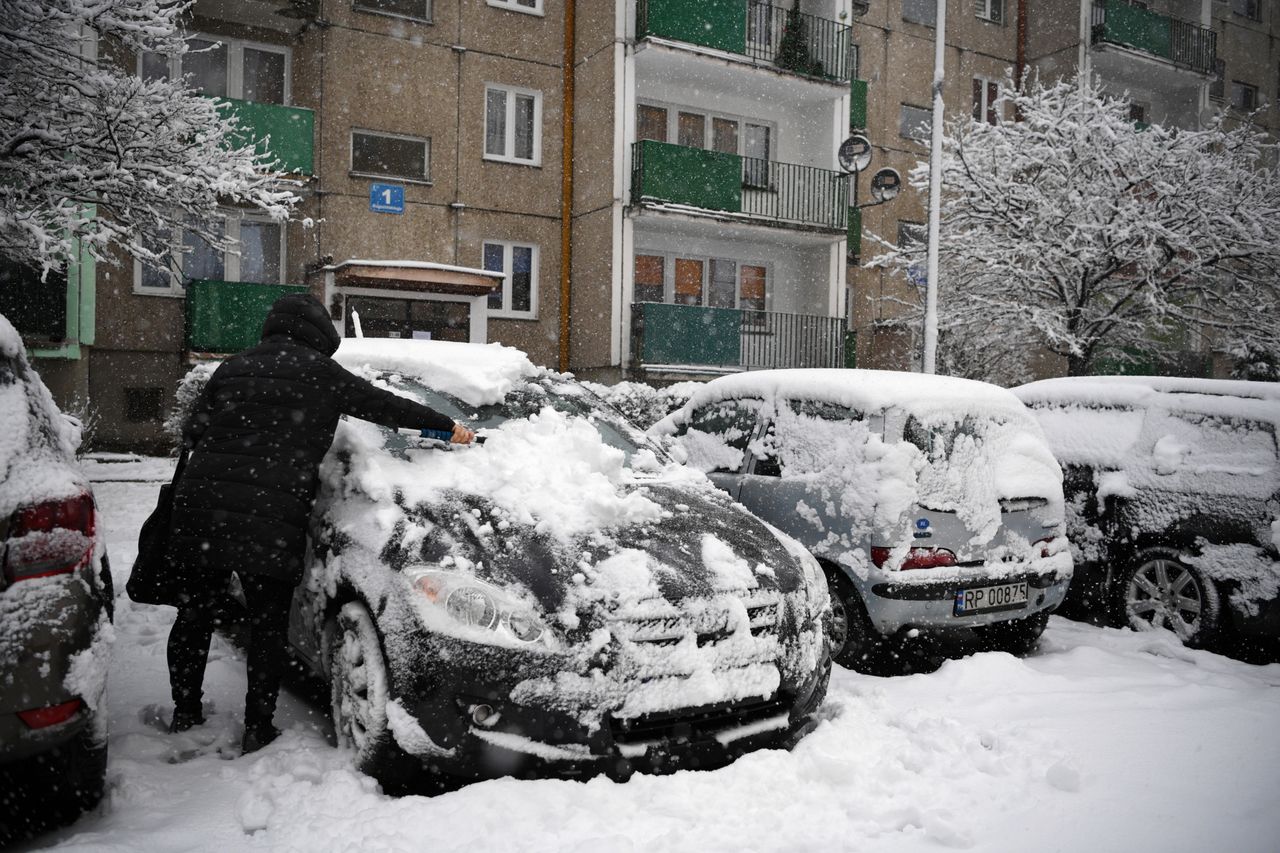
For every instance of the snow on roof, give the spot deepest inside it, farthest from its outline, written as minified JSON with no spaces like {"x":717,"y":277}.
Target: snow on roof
{"x":413,"y":265}
{"x":1256,"y":400}
{"x":866,"y":390}
{"x":479,"y":374}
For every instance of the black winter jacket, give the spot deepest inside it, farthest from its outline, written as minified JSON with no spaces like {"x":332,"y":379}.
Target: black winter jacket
{"x":259,"y":432}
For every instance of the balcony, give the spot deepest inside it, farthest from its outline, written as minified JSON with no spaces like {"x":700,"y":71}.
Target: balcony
{"x":290,"y":131}
{"x":686,"y":337}
{"x":226,"y":316}
{"x":1179,"y":42}
{"x":736,"y":187}
{"x":763,"y":34}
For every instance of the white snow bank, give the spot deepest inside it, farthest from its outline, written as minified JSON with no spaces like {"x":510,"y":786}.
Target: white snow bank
{"x":479,"y":374}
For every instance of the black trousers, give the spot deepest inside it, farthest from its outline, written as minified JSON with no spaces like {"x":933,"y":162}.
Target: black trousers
{"x":267,"y":612}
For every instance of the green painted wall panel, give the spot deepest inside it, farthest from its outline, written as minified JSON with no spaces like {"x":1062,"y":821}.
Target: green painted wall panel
{"x":291,"y":131}
{"x":854,"y":234}
{"x":719,"y":24}
{"x":226,"y":316}
{"x":858,"y":104}
{"x":1139,"y":28}
{"x":710,"y":180}
{"x":690,"y":334}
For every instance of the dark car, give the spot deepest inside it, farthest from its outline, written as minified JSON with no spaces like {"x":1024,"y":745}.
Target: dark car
{"x":1173,"y":501}
{"x":561,"y":600}
{"x":55,"y":596}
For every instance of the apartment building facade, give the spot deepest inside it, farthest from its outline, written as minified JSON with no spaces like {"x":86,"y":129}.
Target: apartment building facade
{"x":1178,"y":62}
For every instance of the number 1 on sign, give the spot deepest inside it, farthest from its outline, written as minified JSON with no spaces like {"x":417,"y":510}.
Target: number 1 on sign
{"x":386,"y":196}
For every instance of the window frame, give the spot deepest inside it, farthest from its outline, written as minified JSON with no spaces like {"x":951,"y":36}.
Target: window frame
{"x":930,"y":24}
{"x":982,"y":11}
{"x":535,"y":260}
{"x":230,"y":257}
{"x":990,"y":112}
{"x":708,"y":125}
{"x":235,"y":63}
{"x":509,"y":138}
{"x":1252,"y":10}
{"x":360,"y":173}
{"x":669,"y":277}
{"x":923,"y":140}
{"x":1248,"y":88}
{"x":513,"y":6}
{"x":358,"y":6}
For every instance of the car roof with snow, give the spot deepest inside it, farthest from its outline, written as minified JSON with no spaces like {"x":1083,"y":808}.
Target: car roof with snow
{"x":478,"y":374}
{"x":867,"y":390}
{"x":1221,"y":397}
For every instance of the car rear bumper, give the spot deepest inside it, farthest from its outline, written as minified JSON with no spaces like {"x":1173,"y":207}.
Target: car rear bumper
{"x":893,"y":606}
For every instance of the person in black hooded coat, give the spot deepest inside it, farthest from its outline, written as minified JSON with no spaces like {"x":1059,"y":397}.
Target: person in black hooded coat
{"x":257,"y":435}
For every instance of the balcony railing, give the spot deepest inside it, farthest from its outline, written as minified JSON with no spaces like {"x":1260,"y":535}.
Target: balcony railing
{"x":772,"y":35}
{"x":692,"y":336}
{"x":1181,"y":42}
{"x":226,"y":316}
{"x":756,"y":190}
{"x":286,"y":133}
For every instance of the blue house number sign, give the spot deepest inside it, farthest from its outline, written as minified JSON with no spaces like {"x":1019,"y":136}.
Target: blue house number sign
{"x":386,"y":198}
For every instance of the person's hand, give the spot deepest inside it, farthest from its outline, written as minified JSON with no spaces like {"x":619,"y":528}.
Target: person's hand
{"x":461,"y":435}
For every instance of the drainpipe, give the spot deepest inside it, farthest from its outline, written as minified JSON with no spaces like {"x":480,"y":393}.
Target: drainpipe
{"x":566,"y":183}
{"x":1020,"y":62}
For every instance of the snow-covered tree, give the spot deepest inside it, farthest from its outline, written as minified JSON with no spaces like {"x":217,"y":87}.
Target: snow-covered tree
{"x":80,"y":136}
{"x":1075,"y":231}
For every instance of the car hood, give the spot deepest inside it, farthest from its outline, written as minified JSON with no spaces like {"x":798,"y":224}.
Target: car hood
{"x":703,"y":545}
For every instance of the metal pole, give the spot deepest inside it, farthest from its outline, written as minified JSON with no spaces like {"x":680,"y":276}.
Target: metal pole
{"x":935,"y":196}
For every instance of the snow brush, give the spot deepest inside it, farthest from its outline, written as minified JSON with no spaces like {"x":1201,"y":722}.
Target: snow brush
{"x":445,"y":436}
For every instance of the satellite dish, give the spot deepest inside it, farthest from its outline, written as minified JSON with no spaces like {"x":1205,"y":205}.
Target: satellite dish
{"x":855,"y":153}
{"x":886,"y":184}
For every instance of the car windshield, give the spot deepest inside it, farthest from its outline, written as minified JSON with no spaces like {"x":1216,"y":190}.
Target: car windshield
{"x":530,"y":398}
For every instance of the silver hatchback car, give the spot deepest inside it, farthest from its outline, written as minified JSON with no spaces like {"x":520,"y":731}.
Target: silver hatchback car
{"x":933,"y":503}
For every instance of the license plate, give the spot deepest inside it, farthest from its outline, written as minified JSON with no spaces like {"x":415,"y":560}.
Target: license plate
{"x":988,"y":599}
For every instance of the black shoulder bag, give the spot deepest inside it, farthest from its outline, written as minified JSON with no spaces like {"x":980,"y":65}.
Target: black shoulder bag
{"x":154,"y":578}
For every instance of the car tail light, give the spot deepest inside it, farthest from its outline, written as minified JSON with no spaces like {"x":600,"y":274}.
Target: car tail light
{"x":917,"y":558}
{"x":1044,"y":545}
{"x":51,"y":715}
{"x":51,"y":538}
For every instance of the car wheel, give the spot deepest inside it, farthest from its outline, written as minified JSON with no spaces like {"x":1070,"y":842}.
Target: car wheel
{"x":1015,"y":636}
{"x":359,"y":688}
{"x":853,"y":638}
{"x":53,"y":788}
{"x":1159,"y":590}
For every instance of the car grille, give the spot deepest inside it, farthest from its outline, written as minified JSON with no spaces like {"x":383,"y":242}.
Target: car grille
{"x":696,"y":724}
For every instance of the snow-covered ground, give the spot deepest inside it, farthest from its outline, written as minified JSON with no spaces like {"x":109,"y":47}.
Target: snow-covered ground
{"x":1104,"y":740}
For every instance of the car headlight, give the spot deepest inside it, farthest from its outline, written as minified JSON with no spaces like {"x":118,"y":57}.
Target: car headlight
{"x":462,"y":606}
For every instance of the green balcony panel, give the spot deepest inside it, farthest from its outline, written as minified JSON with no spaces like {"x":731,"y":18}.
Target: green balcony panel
{"x":854,"y":234}
{"x":291,"y":131}
{"x":719,"y":24}
{"x":227,"y":316}
{"x":691,"y":334}
{"x":710,"y":180}
{"x":858,"y":104}
{"x":1139,"y":28}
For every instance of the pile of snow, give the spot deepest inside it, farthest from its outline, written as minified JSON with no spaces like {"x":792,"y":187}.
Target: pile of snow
{"x":479,"y":374}
{"x":644,"y":405}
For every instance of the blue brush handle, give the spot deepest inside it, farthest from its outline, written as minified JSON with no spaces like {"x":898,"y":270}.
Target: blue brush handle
{"x":443,"y":435}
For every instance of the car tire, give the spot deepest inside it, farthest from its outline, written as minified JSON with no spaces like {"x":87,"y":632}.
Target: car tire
{"x":1158,"y":589}
{"x":359,"y":690}
{"x":1017,"y":637}
{"x":854,"y":640}
{"x":53,"y":788}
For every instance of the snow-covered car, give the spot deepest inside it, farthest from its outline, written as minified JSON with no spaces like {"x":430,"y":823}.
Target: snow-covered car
{"x":55,"y":600}
{"x":561,"y":600}
{"x":1173,"y":500}
{"x":933,"y":503}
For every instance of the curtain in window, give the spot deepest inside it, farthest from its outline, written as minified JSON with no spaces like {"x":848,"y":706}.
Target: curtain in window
{"x":688,"y":282}
{"x":260,"y":252}
{"x":495,"y":123}
{"x":263,"y":76}
{"x":650,"y":279}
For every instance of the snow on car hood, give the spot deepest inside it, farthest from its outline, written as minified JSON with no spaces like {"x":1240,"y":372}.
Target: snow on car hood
{"x":36,"y":443}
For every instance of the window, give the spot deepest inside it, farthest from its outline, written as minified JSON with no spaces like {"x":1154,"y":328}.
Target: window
{"x":990,"y":10}
{"x":1138,"y":113}
{"x":915,"y":122}
{"x":226,"y":68}
{"x":651,"y":123}
{"x":727,"y":134}
{"x":512,"y":125}
{"x":1244,"y":96}
{"x":1217,"y":89}
{"x":419,"y":10}
{"x":855,"y":60}
{"x":712,"y":282}
{"x":1251,"y":9}
{"x":718,"y":434}
{"x":390,"y":155}
{"x":920,"y":12}
{"x":258,"y":257}
{"x":985,"y":94}
{"x":529,"y":7}
{"x":519,"y":294}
